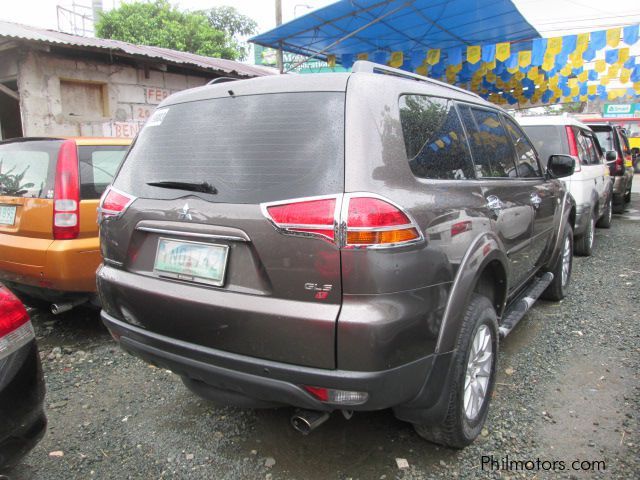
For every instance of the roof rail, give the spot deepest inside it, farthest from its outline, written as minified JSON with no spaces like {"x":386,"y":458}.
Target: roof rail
{"x":222,"y":80}
{"x":370,"y":67}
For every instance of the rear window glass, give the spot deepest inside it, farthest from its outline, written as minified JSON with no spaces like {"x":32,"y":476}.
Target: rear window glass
{"x":605,"y":139}
{"x":252,"y":149}
{"x":434,"y":139}
{"x":98,"y":165}
{"x":492,"y":149}
{"x":548,"y":140}
{"x":27,"y":169}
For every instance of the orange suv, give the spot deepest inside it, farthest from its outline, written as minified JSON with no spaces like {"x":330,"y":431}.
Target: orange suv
{"x":49,"y":193}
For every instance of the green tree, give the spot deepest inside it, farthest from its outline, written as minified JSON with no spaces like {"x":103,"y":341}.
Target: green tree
{"x":228,"y":20}
{"x":160,"y":24}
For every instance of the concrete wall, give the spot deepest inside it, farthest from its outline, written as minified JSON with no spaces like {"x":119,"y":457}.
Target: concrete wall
{"x":129,"y":97}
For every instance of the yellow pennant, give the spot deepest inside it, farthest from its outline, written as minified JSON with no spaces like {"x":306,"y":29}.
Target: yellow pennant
{"x":613,"y":72}
{"x":519,"y":75}
{"x":604,"y":80}
{"x":566,"y":70}
{"x":422,"y":70}
{"x":491,"y":77}
{"x":532,"y":74}
{"x":396,"y":59}
{"x":600,"y":66}
{"x":474,"y":52}
{"x":582,"y":43}
{"x":625,"y":75}
{"x":578,"y":62}
{"x":433,"y":56}
{"x":636,"y":87}
{"x":503,"y":51}
{"x":623,"y":55}
{"x":572,"y":82}
{"x":584,"y":76}
{"x":592,"y":89}
{"x":363,"y":56}
{"x":549,"y":61}
{"x":613,"y":37}
{"x":331,"y":61}
{"x":575,"y":91}
{"x":524,"y":58}
{"x":583,"y":98}
{"x":554,"y":45}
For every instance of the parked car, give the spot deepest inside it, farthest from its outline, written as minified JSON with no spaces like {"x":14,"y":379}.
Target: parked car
{"x":267,"y":241}
{"x":22,"y":418}
{"x":613,"y":139}
{"x":590,"y":185}
{"x":49,"y":193}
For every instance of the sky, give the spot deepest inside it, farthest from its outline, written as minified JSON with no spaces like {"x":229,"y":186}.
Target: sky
{"x":549,"y":17}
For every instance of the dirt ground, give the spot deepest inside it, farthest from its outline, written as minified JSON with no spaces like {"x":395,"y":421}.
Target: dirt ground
{"x":567,"y":391}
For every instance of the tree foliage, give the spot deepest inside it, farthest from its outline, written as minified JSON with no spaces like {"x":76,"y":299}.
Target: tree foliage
{"x":160,"y":24}
{"x":227,"y":19}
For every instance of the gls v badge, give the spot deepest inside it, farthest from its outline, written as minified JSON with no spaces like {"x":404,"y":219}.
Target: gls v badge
{"x":321,"y":291}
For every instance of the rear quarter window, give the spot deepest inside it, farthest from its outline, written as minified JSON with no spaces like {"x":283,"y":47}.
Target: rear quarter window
{"x":98,"y":165}
{"x":434,"y":140}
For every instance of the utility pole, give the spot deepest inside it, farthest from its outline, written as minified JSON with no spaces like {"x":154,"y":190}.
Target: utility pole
{"x":279,"y":60}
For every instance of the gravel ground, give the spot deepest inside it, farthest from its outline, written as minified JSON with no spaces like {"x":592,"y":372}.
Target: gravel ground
{"x":567,"y":390}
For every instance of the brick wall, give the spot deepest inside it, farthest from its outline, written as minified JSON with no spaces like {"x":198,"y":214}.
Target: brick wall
{"x":129,"y":96}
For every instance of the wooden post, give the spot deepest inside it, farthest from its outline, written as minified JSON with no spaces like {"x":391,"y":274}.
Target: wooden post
{"x":279,"y":59}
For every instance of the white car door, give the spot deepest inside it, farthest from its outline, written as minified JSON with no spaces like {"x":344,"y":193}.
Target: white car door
{"x":591,"y":177}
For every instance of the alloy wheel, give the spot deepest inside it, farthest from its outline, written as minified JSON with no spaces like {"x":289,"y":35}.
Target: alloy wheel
{"x":478,"y":374}
{"x":566,"y":260}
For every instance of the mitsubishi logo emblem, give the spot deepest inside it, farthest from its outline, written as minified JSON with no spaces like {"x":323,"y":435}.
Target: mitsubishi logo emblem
{"x":184,"y":213}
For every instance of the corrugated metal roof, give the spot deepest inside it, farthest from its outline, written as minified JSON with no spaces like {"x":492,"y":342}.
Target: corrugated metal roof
{"x":52,"y":37}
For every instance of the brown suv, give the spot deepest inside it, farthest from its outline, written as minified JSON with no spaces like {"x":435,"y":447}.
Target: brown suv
{"x":351,"y":241}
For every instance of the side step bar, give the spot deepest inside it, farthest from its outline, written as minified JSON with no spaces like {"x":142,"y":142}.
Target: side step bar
{"x":522,"y":306}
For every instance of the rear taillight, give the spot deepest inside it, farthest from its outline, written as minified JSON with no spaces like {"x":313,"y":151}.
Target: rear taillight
{"x":15,"y":327}
{"x":573,"y":147}
{"x":309,"y":217}
{"x":374,"y":222}
{"x":66,"y":193}
{"x":366,"y":220}
{"x":113,"y":203}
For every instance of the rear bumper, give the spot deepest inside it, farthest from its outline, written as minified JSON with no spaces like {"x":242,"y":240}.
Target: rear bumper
{"x":66,"y":266}
{"x":22,"y":390}
{"x":280,"y":383}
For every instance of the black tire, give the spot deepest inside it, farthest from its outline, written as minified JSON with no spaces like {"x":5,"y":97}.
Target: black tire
{"x":605,"y":219}
{"x":584,"y":245}
{"x":458,"y":430}
{"x":557,"y":289}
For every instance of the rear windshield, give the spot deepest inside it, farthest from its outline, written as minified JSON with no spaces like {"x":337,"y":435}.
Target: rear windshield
{"x":27,"y":169}
{"x":252,"y":149}
{"x":548,"y":140}
{"x":98,"y":165}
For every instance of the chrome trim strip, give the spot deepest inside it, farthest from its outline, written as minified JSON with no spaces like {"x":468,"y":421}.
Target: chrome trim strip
{"x":211,"y":236}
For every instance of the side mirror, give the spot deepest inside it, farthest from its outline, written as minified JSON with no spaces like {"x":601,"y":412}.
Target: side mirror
{"x":611,"y":156}
{"x":560,"y":166}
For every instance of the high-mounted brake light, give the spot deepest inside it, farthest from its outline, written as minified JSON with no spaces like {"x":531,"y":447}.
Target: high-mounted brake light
{"x":306,"y":217}
{"x":573,"y":147}
{"x":66,"y":193}
{"x":15,"y":327}
{"x":374,"y":222}
{"x":113,"y":203}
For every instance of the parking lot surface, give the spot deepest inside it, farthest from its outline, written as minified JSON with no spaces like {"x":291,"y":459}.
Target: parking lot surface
{"x":568,"y":390}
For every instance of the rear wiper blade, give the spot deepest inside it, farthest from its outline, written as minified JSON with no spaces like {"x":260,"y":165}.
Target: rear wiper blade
{"x":202,"y":187}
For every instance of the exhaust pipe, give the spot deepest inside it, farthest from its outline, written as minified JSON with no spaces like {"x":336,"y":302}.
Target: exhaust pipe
{"x":305,"y":421}
{"x":58,"y":308}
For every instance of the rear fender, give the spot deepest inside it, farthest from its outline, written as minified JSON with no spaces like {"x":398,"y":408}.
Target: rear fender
{"x":567,"y":215}
{"x":485,"y":249}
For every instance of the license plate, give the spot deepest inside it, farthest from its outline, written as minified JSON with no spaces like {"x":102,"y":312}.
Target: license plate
{"x":191,"y":261}
{"x":7,"y":214}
